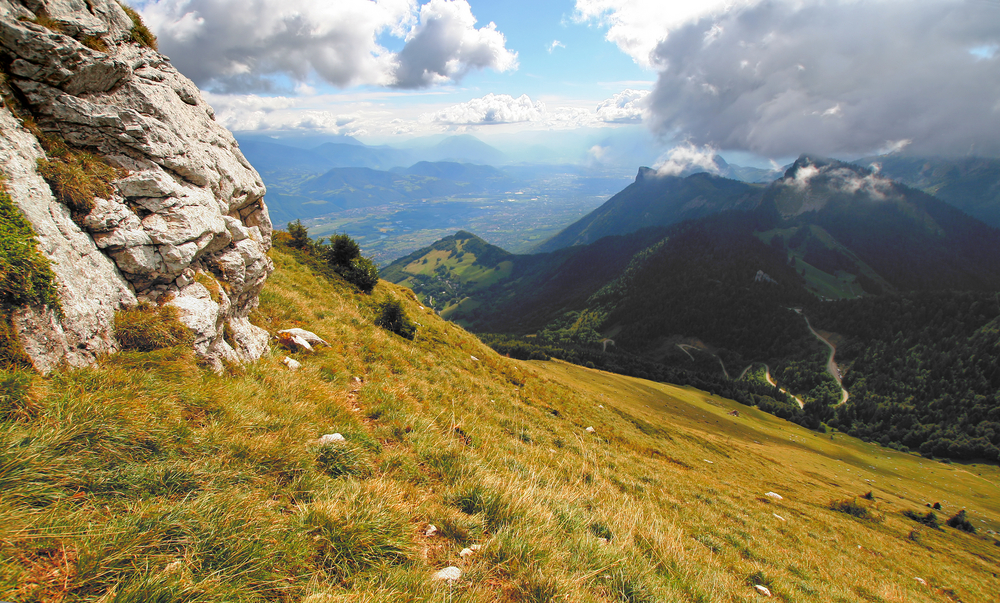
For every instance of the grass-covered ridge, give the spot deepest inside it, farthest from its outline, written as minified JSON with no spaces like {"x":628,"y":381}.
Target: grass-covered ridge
{"x":150,"y":479}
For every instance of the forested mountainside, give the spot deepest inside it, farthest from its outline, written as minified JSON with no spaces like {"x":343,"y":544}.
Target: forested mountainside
{"x":727,"y":292}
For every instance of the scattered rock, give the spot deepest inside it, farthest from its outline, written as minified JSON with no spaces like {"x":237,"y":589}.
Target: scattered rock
{"x":763,"y":590}
{"x":474,"y":358}
{"x":294,"y":342}
{"x":590,"y":430}
{"x":763,"y":277}
{"x":708,"y":461}
{"x":921,"y":580}
{"x":476,"y":547}
{"x":449,"y":574}
{"x":430,"y":531}
{"x":774,"y":495}
{"x":466,"y":552}
{"x":292,"y":363}
{"x":733,"y":413}
{"x":778,"y":516}
{"x":330,"y":438}
{"x":307,"y":336}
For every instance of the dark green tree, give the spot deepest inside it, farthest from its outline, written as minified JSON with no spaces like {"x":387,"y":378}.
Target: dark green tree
{"x":392,"y":317}
{"x":300,"y":235}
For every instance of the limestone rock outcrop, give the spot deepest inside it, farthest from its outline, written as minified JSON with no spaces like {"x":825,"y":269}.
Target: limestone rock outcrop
{"x":186,"y":224}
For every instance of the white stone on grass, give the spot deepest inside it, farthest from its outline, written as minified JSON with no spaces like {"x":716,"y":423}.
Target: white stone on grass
{"x":762,"y":589}
{"x":466,"y":552}
{"x":430,"y":531}
{"x":774,"y":495}
{"x":448,"y":574}
{"x":330,"y":438}
{"x":590,"y":430}
{"x":292,"y":363}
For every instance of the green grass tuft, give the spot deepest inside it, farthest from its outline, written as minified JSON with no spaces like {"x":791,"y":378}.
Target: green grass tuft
{"x":77,"y":178}
{"x":26,"y":277}
{"x":149,"y":327}
{"x":140,"y":34}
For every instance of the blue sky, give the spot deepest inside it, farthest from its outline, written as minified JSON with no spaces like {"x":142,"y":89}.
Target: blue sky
{"x":758,"y":80}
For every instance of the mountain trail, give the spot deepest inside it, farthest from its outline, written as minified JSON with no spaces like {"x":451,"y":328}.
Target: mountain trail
{"x":831,"y":366}
{"x":767,"y":375}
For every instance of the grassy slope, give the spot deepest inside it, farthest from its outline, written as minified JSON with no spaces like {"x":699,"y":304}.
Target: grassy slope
{"x":148,"y":478}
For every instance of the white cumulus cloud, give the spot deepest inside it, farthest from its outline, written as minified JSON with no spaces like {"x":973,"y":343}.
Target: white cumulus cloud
{"x":490,"y":109}
{"x":253,"y":45}
{"x":445,"y":45}
{"x":686,"y":158}
{"x":637,"y":26}
{"x":628,"y":106}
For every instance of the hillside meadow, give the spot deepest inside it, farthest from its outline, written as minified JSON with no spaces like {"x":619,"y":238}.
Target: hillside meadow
{"x":150,"y":478}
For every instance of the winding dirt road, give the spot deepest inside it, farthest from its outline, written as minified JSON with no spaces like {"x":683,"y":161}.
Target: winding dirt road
{"x":831,"y":366}
{"x":684,"y":348}
{"x":767,"y":375}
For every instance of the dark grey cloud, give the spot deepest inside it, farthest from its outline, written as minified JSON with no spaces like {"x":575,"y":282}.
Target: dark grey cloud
{"x":836,"y":77}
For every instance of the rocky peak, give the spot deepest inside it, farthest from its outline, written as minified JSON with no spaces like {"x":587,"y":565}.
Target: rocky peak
{"x":185,"y":221}
{"x":811,"y":183}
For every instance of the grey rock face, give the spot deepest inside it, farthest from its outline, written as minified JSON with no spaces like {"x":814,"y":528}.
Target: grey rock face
{"x":189,"y":201}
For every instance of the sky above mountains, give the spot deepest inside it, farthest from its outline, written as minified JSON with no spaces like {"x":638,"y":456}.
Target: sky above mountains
{"x":768,"y":78}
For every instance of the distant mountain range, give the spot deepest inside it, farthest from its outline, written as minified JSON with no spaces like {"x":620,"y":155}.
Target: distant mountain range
{"x":832,"y":229}
{"x":971,"y":184}
{"x":272,"y":157}
{"x":345,"y":188}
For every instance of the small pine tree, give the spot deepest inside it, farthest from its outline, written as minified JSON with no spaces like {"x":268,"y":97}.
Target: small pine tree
{"x":392,"y":317}
{"x":300,"y":235}
{"x":960,"y":522}
{"x":342,"y":250}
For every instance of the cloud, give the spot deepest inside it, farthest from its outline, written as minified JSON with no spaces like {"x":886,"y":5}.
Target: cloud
{"x":326,"y":114}
{"x":842,"y":179}
{"x":256,"y":45}
{"x":687,"y":158}
{"x":637,"y":26}
{"x":446,"y":45}
{"x":628,"y":106}
{"x":625,"y":107}
{"x":555,"y":44}
{"x":391,"y":112}
{"x":784,"y":77}
{"x":490,"y":109}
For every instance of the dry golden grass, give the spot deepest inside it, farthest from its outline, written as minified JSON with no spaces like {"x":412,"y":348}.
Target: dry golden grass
{"x":149,"y":478}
